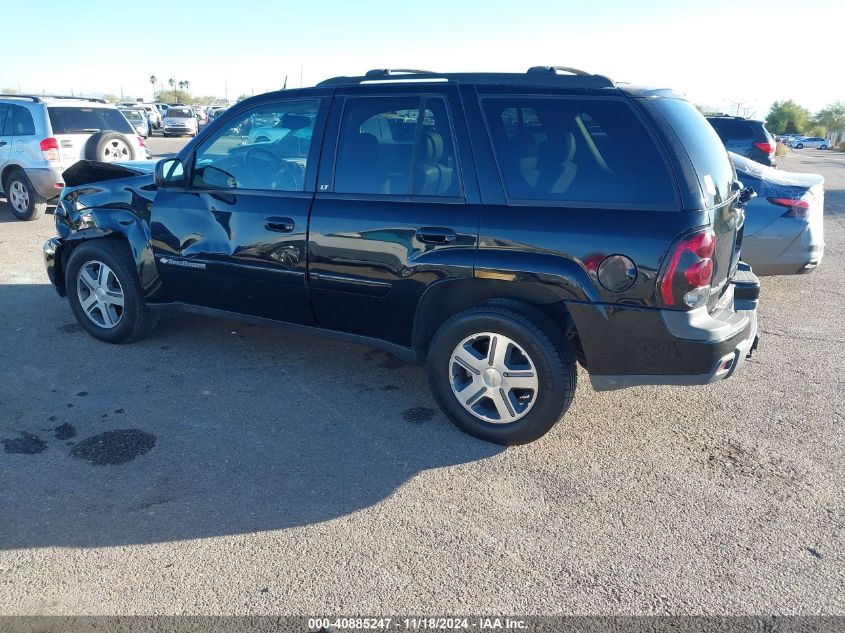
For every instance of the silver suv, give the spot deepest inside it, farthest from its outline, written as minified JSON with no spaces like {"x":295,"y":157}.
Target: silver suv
{"x":41,"y":136}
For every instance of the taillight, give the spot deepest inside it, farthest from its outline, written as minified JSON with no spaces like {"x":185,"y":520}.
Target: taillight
{"x":796,"y":208}
{"x":141,"y":141}
{"x":686,"y":281}
{"x":50,"y":149}
{"x":765,"y":147}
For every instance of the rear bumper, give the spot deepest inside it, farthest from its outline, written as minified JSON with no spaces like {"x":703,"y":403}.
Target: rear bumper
{"x":676,"y":347}
{"x":45,"y":180}
{"x":787,"y":246}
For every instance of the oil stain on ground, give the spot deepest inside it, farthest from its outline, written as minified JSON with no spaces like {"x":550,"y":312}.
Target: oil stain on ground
{"x":26,"y":444}
{"x":113,"y":448}
{"x":418,"y":414}
{"x":65,"y":431}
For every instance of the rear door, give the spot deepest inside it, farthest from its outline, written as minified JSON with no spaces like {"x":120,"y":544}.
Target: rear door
{"x":391,"y":215}
{"x":234,"y":236}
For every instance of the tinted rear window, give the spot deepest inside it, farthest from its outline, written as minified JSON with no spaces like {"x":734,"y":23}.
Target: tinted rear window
{"x":593,"y":151}
{"x":76,"y":120}
{"x":733,"y":129}
{"x":706,"y":151}
{"x":179,"y":113}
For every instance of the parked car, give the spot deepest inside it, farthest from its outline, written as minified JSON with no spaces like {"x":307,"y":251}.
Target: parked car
{"x":784,"y":227}
{"x":180,"y":120}
{"x":214,"y":112}
{"x":526,"y":221}
{"x":199,"y":111}
{"x":813,"y":142}
{"x":150,"y":111}
{"x":162,"y":109}
{"x":137,"y":117}
{"x":745,"y":137}
{"x":41,"y":136}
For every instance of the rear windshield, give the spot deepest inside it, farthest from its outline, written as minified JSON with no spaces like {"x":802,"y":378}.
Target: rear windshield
{"x":179,"y":113}
{"x":76,"y":120}
{"x":132,"y":116}
{"x":704,"y":147}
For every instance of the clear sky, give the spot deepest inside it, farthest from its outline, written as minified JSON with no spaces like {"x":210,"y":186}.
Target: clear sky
{"x":716,"y":51}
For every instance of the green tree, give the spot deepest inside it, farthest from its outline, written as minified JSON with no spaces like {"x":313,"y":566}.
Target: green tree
{"x":111,"y":98}
{"x":174,"y":96}
{"x":242,"y":97}
{"x":9,"y":91}
{"x":153,"y":80}
{"x":787,"y":117}
{"x":831,"y":118}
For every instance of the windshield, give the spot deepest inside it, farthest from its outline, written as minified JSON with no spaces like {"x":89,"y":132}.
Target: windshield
{"x":70,"y":120}
{"x":179,"y":113}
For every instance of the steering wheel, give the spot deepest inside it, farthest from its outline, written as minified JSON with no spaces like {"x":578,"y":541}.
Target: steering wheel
{"x":267,"y":166}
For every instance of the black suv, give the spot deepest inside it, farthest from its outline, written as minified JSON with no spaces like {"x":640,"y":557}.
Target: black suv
{"x":745,"y":137}
{"x":497,"y":227}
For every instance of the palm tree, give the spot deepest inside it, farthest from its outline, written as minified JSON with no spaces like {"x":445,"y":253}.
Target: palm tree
{"x":187,"y":84}
{"x":153,"y":80}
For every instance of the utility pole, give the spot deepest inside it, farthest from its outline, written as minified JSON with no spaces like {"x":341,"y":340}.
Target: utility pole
{"x":738,"y":104}
{"x":301,"y":66}
{"x":226,"y":91}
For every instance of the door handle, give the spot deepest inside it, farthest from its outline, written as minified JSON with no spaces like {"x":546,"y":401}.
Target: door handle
{"x":436,"y":235}
{"x":3,"y":143}
{"x":281,"y":225}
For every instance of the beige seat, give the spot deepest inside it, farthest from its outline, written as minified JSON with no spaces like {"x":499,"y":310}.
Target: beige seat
{"x":434,"y":178}
{"x":555,"y":167}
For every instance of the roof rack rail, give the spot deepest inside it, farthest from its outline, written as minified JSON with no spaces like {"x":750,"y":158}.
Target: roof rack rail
{"x":560,"y":76}
{"x":17,"y":96}
{"x":384,"y":73}
{"x":40,"y":98}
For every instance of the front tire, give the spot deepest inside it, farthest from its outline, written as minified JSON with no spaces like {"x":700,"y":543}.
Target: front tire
{"x":502,"y":372}
{"x":105,"y":294}
{"x":24,"y":201}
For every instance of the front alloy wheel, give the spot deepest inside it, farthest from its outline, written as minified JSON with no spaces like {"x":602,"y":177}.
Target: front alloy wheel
{"x":100,"y":294}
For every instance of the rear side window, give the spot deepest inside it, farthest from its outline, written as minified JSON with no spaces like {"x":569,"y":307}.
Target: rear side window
{"x":567,"y":150}
{"x":396,"y":146}
{"x":80,"y":120}
{"x":705,"y":149}
{"x":23,"y":123}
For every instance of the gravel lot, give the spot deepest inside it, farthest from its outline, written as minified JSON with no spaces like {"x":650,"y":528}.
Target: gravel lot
{"x":238,"y":469}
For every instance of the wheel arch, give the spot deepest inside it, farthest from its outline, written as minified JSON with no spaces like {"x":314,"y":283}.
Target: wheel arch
{"x":451,"y":296}
{"x":7,"y":171}
{"x":114,"y":224}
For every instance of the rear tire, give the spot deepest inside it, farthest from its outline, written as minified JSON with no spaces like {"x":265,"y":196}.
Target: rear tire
{"x":822,"y":146}
{"x":105,"y":294}
{"x":799,"y":146}
{"x":518,"y":394}
{"x":24,"y":201}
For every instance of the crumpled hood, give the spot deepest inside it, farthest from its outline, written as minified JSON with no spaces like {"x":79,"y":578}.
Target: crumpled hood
{"x":88,"y":171}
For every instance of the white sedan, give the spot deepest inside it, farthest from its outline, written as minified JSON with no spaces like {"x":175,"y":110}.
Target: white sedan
{"x":813,"y":142}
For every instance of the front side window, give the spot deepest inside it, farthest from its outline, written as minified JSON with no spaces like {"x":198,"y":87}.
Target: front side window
{"x":396,"y":146}
{"x":4,"y":112}
{"x":266,"y":148}
{"x":576,"y":150}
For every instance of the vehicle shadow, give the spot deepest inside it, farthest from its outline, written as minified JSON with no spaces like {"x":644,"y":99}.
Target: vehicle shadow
{"x":206,"y":428}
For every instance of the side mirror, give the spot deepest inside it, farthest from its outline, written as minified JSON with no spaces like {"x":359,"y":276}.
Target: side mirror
{"x":169,"y":173}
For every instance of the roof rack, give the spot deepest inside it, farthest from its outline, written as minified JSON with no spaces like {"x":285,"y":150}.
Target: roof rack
{"x":40,"y":98}
{"x":563,"y":76}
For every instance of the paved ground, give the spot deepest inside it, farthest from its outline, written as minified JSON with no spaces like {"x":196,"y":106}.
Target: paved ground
{"x":238,"y":469}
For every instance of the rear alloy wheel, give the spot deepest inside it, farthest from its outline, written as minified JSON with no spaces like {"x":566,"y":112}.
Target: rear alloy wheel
{"x":502,"y":372}
{"x":799,"y":146}
{"x":25,"y":202}
{"x":116,"y":150}
{"x":822,"y":146}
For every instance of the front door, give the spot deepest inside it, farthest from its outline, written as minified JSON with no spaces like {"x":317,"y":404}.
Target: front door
{"x":233,"y":237}
{"x":390,"y":217}
{"x":5,"y":134}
